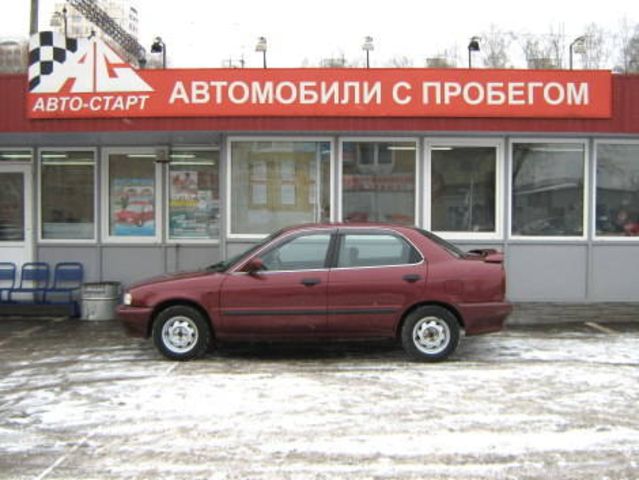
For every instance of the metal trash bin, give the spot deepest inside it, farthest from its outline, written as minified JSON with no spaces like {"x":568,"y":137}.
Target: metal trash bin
{"x":99,"y":300}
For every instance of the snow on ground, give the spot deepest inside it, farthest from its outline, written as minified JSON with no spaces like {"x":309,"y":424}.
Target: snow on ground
{"x":522,"y":404}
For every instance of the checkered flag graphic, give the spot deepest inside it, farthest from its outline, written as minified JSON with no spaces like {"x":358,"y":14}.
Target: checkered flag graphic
{"x":46,"y":49}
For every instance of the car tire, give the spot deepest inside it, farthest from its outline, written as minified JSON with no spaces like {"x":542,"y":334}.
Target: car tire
{"x":181,"y":332}
{"x":430,"y":334}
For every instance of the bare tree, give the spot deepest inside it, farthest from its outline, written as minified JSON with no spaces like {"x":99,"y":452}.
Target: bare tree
{"x":557,"y":42}
{"x":544,"y":51}
{"x":400,"y":61}
{"x":538,"y":54}
{"x":495,"y":46}
{"x":596,"y":49}
{"x":628,"y":43}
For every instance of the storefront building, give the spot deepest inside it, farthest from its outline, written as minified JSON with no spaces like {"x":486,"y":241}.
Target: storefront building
{"x":132,"y":194}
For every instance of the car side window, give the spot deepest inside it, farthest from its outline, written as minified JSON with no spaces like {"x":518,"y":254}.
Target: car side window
{"x":307,"y":252}
{"x":370,"y":250}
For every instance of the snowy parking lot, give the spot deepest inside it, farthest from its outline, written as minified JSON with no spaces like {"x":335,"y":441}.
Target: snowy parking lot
{"x":81,"y":400}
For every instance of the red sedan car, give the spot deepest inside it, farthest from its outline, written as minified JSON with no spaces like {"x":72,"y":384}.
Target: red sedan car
{"x":332,"y":281}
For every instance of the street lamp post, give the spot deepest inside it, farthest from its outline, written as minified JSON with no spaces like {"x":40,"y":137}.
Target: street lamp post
{"x":159,"y":46}
{"x":262,"y":46}
{"x":367,"y":47}
{"x":578,"y":45}
{"x":56,"y":20}
{"x":473,"y":46}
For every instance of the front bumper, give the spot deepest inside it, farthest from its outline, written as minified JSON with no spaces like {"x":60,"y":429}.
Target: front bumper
{"x":484,"y":317}
{"x":136,"y":320}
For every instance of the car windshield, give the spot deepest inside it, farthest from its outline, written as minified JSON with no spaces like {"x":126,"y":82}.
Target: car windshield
{"x":449,"y":247}
{"x":224,"y":265}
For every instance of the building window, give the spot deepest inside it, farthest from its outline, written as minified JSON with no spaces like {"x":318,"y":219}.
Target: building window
{"x":617,"y":190}
{"x":462,"y":189}
{"x":278,"y":183}
{"x":548,"y":189}
{"x":15,"y":156}
{"x":132,"y":194}
{"x":194,"y":195}
{"x":378,"y":182}
{"x":67,"y":202}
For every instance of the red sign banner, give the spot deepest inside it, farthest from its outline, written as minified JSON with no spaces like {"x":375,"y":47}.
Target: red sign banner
{"x":93,"y":82}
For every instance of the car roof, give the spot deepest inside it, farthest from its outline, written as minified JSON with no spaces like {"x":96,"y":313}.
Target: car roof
{"x":363,"y":225}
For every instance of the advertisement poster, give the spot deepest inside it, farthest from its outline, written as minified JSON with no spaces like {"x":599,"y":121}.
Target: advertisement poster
{"x":133,"y":207}
{"x":191,"y":209}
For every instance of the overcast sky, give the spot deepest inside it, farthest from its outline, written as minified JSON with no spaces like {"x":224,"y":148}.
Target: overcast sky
{"x":205,"y":33}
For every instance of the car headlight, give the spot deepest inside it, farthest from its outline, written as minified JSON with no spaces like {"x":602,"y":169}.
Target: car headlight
{"x":128,"y":299}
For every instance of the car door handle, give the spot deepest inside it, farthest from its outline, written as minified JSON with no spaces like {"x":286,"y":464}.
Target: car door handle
{"x":412,"y":278}
{"x":309,"y":282}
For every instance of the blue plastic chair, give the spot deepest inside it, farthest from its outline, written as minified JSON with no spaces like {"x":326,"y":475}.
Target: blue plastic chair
{"x":7,"y":278}
{"x":67,"y":278}
{"x":34,"y":278}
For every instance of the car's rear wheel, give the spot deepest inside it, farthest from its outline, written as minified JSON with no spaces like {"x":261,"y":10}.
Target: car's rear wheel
{"x":181,"y":332}
{"x":430,"y":334}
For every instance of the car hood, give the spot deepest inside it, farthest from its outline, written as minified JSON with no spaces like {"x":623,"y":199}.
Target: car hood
{"x":169,"y":277}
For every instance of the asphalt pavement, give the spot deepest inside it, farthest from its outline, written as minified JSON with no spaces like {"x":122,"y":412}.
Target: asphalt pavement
{"x":80,"y":400}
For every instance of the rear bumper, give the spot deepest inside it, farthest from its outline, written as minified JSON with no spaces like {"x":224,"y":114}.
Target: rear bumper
{"x":136,"y":320}
{"x":484,"y":317}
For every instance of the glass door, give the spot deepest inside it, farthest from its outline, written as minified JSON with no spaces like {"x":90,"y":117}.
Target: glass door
{"x":16,"y":237}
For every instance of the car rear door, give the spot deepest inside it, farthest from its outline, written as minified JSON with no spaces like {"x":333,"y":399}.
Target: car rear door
{"x":377,"y":274}
{"x":288,"y":298}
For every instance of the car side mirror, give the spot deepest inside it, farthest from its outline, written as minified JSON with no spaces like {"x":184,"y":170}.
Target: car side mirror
{"x":254,"y":266}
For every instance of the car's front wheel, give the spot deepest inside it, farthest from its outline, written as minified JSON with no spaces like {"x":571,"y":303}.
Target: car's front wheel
{"x":430,"y":334}
{"x":181,"y":332}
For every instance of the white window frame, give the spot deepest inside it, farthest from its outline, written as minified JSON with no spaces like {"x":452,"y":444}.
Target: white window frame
{"x":586,"y":189}
{"x":499,"y":145}
{"x":229,"y":176}
{"x":54,"y":241}
{"x":24,"y":167}
{"x":159,"y":197}
{"x":593,"y":223}
{"x":339,"y":204}
{"x":167,"y":195}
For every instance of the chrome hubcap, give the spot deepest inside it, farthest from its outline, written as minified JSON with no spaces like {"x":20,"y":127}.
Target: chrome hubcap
{"x":179,"y":334}
{"x":431,"y":335}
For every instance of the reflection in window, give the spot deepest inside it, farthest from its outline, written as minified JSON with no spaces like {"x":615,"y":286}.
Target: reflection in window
{"x":302,"y":253}
{"x":378,"y":182}
{"x":618,"y":190}
{"x":463,"y":189}
{"x":548,"y":181}
{"x":132,"y":195}
{"x":194,"y":197}
{"x":11,"y":207}
{"x":275,"y":184}
{"x":362,"y":250}
{"x":67,"y":202}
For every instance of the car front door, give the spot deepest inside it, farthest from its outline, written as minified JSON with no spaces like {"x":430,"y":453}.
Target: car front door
{"x":377,"y":275}
{"x":288,"y":297}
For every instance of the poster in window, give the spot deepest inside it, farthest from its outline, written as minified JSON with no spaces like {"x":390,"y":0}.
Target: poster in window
{"x":133,"y":207}
{"x":191,"y":209}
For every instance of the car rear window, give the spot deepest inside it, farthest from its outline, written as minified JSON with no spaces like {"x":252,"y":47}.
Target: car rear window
{"x":449,"y":247}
